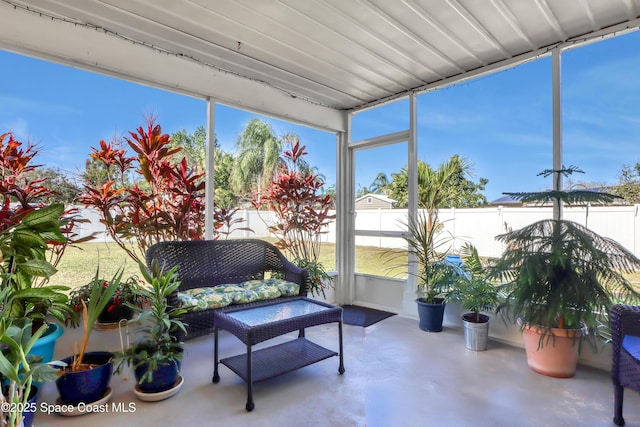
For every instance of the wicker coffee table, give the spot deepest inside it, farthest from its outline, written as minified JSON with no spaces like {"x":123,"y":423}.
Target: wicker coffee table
{"x":256,"y":324}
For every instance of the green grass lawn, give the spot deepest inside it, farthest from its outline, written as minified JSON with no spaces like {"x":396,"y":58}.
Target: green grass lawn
{"x":78,"y":265}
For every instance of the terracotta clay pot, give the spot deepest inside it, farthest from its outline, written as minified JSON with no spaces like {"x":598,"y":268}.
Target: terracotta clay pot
{"x":556,"y":355}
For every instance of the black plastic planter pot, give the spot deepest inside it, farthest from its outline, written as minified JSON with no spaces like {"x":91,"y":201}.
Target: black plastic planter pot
{"x":431,"y":315}
{"x":88,"y":385}
{"x":117,"y":313}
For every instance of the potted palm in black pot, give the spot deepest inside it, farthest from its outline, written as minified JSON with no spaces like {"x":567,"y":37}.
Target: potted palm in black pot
{"x":429,"y":245}
{"x":156,"y":356}
{"x":561,"y":279}
{"x":476,"y":293}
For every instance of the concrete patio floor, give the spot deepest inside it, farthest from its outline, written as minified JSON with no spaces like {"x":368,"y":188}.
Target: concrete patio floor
{"x":396,"y":375}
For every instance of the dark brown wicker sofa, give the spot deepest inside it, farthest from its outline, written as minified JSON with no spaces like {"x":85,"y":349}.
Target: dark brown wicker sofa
{"x":209,"y":263}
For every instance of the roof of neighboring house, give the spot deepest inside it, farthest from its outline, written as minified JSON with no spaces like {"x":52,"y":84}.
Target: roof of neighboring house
{"x":506,"y":200}
{"x":382,"y":197}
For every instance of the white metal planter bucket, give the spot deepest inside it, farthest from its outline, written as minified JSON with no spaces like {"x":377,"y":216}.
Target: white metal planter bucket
{"x":476,"y":334}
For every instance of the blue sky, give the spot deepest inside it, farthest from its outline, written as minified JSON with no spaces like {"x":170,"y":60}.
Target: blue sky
{"x":500,"y":123}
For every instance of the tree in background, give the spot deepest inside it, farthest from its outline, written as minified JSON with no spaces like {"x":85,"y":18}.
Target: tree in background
{"x":628,"y":184}
{"x":61,"y":188}
{"x":448,"y":186}
{"x":256,"y":160}
{"x":378,"y":186}
{"x":224,"y":196}
{"x":194,"y":149}
{"x":193,"y":146}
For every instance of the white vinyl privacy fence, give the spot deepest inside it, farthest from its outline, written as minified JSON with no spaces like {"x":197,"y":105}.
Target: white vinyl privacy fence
{"x":478,"y":226}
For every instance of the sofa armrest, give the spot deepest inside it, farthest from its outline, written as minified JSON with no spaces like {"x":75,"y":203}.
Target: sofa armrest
{"x":625,"y":320}
{"x":293,"y":273}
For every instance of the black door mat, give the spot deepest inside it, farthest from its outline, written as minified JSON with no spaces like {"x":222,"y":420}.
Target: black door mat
{"x":363,"y":316}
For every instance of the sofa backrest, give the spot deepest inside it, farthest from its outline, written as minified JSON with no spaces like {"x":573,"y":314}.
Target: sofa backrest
{"x":204,"y":263}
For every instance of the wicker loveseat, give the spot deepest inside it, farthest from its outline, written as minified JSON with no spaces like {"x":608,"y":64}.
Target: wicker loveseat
{"x":229,"y":270}
{"x":625,"y":370}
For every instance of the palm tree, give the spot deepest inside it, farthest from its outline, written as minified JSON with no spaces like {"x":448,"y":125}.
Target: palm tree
{"x":379,"y":183}
{"x":436,"y":188}
{"x":258,"y":152}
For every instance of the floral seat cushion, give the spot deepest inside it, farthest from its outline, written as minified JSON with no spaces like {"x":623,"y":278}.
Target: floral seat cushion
{"x":204,"y":298}
{"x":223,"y":295}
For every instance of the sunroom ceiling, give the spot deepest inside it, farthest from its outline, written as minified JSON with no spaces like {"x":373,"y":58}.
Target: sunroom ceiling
{"x":302,"y":59}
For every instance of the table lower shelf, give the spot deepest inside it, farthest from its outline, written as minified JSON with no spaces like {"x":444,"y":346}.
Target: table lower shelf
{"x":277,"y":360}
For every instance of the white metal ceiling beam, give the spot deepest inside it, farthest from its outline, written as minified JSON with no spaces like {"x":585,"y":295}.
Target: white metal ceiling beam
{"x":420,"y":40}
{"x":511,"y":19}
{"x":444,"y":31}
{"x":29,"y":33}
{"x":551,"y":18}
{"x":477,"y":26}
{"x":589,"y":13}
{"x":397,"y":48}
{"x":306,"y":10}
{"x":632,"y":8}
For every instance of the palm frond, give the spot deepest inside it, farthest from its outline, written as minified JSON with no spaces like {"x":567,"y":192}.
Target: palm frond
{"x":570,"y":198}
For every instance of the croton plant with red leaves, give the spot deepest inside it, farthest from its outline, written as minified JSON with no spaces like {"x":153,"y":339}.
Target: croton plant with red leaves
{"x":165,"y":202}
{"x":20,"y":195}
{"x":302,"y":212}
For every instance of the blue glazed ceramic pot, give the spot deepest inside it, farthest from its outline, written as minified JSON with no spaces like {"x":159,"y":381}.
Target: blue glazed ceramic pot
{"x":45,"y":345}
{"x":164,"y":378}
{"x":88,"y":385}
{"x":27,"y":421}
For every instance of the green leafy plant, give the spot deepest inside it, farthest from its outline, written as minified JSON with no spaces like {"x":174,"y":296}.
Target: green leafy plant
{"x":99,"y":298}
{"x":124,"y":293}
{"x":429,"y":243}
{"x":24,"y":258}
{"x":33,"y":236}
{"x":18,"y":368}
{"x":474,"y":290}
{"x":302,"y":213}
{"x":157,"y":345}
{"x":559,"y":274}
